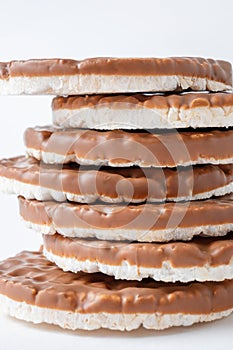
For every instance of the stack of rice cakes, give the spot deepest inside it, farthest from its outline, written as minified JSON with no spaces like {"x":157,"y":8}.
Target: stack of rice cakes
{"x":131,"y":190}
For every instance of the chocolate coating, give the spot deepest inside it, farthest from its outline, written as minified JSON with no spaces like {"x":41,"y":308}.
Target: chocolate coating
{"x":198,"y":252}
{"x":216,"y":70}
{"x":29,"y":277}
{"x":130,"y":217}
{"x":158,"y":149}
{"x":126,"y":184}
{"x":158,"y":101}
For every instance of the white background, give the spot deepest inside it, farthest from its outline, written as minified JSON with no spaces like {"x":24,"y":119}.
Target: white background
{"x":79,"y":29}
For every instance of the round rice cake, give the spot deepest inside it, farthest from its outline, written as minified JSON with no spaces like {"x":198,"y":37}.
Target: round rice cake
{"x":120,"y":148}
{"x":27,"y":177}
{"x":141,"y":222}
{"x":141,"y":111}
{"x":112,"y":75}
{"x":202,"y":259}
{"x":33,"y":289}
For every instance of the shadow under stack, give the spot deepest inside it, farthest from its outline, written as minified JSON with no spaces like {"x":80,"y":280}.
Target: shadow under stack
{"x":131,"y":190}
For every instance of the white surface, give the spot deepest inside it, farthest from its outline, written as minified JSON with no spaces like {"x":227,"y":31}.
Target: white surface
{"x":21,"y":335}
{"x":79,"y":29}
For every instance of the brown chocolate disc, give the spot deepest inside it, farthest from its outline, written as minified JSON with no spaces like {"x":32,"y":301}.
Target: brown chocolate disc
{"x":111,"y":75}
{"x":121,"y":148}
{"x":35,"y":180}
{"x":202,"y":259}
{"x":144,"y":111}
{"x":142,"y":222}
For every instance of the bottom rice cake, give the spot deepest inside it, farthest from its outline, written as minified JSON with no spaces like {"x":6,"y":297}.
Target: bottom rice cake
{"x":33,"y":289}
{"x":202,"y":259}
{"x":143,"y":222}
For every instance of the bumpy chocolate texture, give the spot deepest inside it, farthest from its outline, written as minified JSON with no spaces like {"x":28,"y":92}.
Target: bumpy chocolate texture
{"x":198,"y":252}
{"x":30,"y":278}
{"x":122,"y":148}
{"x":158,"y":101}
{"x":112,"y":185}
{"x":138,"y":111}
{"x":109,"y":75}
{"x":113,"y":221}
{"x":214,"y":69}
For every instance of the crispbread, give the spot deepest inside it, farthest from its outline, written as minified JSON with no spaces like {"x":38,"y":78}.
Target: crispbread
{"x":35,"y":290}
{"x":34,"y":180}
{"x":141,"y":222}
{"x":120,"y":148}
{"x":202,"y":259}
{"x":138,"y":111}
{"x":111,"y":75}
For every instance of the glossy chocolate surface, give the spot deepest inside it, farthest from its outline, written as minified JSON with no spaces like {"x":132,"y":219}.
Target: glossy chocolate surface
{"x":157,"y":101}
{"x":126,"y":184}
{"x":156,"y":148}
{"x":129,"y":217}
{"x":198,"y":252}
{"x":29,"y":277}
{"x":215,"y":70}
